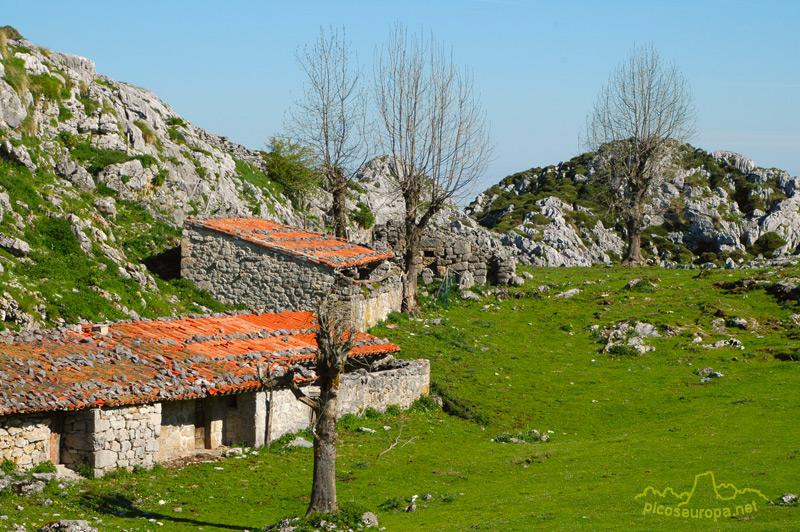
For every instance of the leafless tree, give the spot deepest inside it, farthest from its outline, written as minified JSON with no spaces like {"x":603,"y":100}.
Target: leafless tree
{"x":435,"y":131}
{"x":335,"y":339}
{"x":640,"y":118}
{"x":330,"y":117}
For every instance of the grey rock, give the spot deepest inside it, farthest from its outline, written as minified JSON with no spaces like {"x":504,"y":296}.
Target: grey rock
{"x":789,"y":498}
{"x":68,"y":525}
{"x":517,"y":280}
{"x":107,"y":206}
{"x":12,"y":110}
{"x":18,"y":154}
{"x":427,"y":276}
{"x":370,"y":520}
{"x":466,"y":280}
{"x":15,"y":246}
{"x":569,"y":293}
{"x":28,"y":487}
{"x":469,"y":295}
{"x":527,"y":275}
{"x":300,"y":442}
{"x":646,"y":330}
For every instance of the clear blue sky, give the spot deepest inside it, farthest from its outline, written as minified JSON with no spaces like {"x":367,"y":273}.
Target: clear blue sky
{"x":229,"y":66}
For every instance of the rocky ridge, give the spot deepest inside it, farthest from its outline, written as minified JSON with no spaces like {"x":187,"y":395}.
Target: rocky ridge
{"x":716,"y":208}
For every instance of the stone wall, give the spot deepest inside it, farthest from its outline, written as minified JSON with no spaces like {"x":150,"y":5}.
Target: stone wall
{"x":240,"y":272}
{"x":177,"y":428}
{"x":470,"y":253}
{"x":372,"y":305}
{"x":400,"y":385}
{"x":125,"y":437}
{"x":25,"y":439}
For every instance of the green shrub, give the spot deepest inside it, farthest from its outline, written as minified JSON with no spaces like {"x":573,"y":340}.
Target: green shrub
{"x":393,"y":411}
{"x":363,"y":215}
{"x":767,"y":244}
{"x":623,"y":350}
{"x":8,"y":466}
{"x":47,"y":86}
{"x":89,"y":105}
{"x":174,"y":121}
{"x":16,"y":75}
{"x":44,"y":467}
{"x":86,"y":470}
{"x":105,"y":83}
{"x":290,"y":164}
{"x":64,"y":113}
{"x":393,"y":504}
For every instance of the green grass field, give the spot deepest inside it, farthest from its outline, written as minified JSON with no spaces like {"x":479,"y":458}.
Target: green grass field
{"x":620,"y":423}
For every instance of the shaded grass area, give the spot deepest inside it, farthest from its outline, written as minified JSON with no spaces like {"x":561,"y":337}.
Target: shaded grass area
{"x":617,"y":424}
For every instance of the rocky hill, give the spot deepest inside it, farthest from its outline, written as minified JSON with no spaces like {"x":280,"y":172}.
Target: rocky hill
{"x":96,"y":177}
{"x":718,"y":207}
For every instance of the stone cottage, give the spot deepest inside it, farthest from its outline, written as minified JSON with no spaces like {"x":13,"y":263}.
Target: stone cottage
{"x":270,"y":266}
{"x":134,"y":393}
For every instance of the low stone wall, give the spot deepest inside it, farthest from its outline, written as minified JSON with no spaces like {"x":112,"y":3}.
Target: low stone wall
{"x":400,"y":385}
{"x":25,"y":439}
{"x":240,"y":272}
{"x":371,"y":307}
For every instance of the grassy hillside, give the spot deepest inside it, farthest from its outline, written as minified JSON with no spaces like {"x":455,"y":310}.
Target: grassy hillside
{"x":618,"y":422}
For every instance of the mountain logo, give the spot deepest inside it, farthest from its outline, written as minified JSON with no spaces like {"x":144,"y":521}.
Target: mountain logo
{"x":706,"y":500}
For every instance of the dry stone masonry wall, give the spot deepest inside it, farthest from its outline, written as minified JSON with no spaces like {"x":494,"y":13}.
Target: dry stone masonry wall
{"x":25,"y":439}
{"x":239,"y":272}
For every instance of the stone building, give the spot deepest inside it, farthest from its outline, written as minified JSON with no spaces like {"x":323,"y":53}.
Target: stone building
{"x":273,"y":267}
{"x":134,"y":393}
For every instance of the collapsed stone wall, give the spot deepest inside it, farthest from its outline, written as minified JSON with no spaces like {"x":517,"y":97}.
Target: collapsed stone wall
{"x":240,"y":272}
{"x":470,"y":253}
{"x":25,"y":439}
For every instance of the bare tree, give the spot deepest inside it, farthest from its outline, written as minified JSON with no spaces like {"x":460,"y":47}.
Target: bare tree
{"x":331,"y":116}
{"x":335,"y":340}
{"x":639,"y":119}
{"x":435,"y":131}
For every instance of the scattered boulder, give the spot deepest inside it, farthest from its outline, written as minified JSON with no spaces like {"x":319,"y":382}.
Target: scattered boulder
{"x":789,"y":498}
{"x":569,"y":293}
{"x":427,"y":276}
{"x":370,"y":520}
{"x":469,"y":295}
{"x":68,"y":525}
{"x":15,"y":246}
{"x":300,"y":442}
{"x":28,"y":486}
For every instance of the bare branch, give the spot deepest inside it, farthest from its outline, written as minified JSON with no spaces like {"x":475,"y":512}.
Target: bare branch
{"x":434,"y":129}
{"x":640,"y":117}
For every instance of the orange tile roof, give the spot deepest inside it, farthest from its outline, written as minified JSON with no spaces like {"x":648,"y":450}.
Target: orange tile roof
{"x":315,"y":247}
{"x":146,"y":361}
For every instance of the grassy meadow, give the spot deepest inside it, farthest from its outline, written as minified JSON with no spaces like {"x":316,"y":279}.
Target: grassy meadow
{"x":617,"y":423}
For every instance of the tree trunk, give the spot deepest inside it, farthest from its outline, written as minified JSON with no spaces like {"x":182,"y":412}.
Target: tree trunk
{"x":410,"y":303}
{"x":634,"y":254}
{"x":340,"y":207}
{"x":323,"y":490}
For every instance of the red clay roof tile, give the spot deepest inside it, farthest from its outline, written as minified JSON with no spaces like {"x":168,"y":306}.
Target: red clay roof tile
{"x":145,"y":361}
{"x":315,"y":247}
